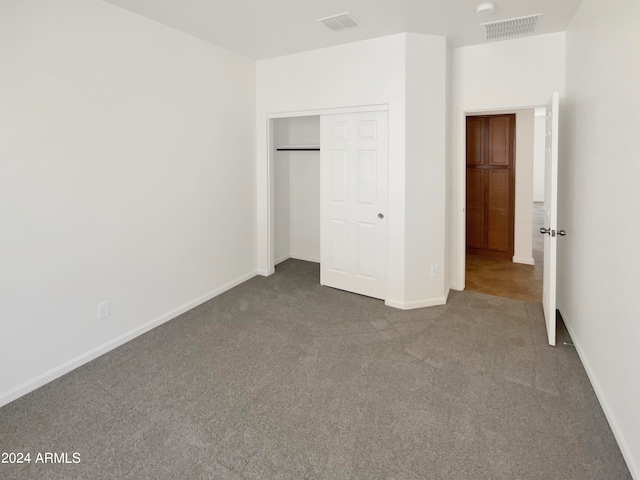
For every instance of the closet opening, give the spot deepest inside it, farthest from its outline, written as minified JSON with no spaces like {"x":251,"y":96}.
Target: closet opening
{"x":328,"y":195}
{"x":296,"y":188}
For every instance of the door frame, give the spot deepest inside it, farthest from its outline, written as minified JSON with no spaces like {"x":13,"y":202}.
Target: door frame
{"x":270,"y":244}
{"x":458,"y":256}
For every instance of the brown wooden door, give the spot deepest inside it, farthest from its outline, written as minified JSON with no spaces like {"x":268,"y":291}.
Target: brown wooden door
{"x":490,"y":185}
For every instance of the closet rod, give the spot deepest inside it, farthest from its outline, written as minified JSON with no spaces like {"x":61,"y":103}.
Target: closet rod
{"x":292,"y":149}
{"x":301,"y":147}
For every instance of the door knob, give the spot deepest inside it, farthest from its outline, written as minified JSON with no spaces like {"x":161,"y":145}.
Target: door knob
{"x":380,"y":216}
{"x":545,"y":231}
{"x":562,"y":233}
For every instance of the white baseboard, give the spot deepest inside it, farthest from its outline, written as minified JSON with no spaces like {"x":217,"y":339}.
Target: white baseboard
{"x":266,"y":273}
{"x":80,"y":360}
{"x":282,"y":259}
{"x":431,"y":302}
{"x":628,"y":455}
{"x":524,"y":260}
{"x":306,"y":258}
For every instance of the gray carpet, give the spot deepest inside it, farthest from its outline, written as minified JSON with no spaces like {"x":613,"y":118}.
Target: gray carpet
{"x":280,"y":378}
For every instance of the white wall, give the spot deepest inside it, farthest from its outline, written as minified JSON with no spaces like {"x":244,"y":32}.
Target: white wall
{"x":304,"y":189}
{"x":449,"y":195}
{"x":425,"y":175}
{"x":598,"y":207}
{"x":372,"y":72}
{"x":538,"y":154}
{"x":127,"y":174}
{"x":523,"y":242}
{"x":512,"y":74}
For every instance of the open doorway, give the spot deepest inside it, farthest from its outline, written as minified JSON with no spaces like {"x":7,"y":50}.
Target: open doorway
{"x":512,"y":265}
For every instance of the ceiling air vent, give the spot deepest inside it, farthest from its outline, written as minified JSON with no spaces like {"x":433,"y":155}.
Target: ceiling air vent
{"x":339,"y":22}
{"x":511,"y":27}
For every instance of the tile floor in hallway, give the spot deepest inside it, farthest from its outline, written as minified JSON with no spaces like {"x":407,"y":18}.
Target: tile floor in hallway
{"x":504,"y":278}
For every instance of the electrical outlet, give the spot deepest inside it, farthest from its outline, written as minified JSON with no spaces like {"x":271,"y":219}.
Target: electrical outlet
{"x":435,"y":271}
{"x":104,"y":309}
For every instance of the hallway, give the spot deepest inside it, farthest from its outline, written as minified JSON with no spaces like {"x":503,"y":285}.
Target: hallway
{"x":504,"y":278}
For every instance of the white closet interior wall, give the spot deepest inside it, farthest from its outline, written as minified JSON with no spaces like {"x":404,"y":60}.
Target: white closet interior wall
{"x":297,"y":190}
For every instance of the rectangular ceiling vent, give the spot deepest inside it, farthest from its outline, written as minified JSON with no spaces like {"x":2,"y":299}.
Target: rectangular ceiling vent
{"x":511,"y":27}
{"x":341,"y":21}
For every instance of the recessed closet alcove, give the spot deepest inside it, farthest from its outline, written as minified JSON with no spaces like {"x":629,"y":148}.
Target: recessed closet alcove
{"x":296,"y":179}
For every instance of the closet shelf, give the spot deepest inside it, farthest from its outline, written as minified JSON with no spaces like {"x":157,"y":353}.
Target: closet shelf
{"x":298,"y":148}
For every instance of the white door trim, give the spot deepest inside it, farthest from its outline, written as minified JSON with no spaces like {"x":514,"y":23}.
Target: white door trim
{"x":270,"y":243}
{"x":329,"y":111}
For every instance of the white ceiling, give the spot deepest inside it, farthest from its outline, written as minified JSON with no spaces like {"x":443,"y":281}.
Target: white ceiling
{"x":269,"y":28}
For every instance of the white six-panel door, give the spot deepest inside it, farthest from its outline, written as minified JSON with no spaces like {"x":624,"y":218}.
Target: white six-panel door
{"x":354,"y":151}
{"x":550,"y":217}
